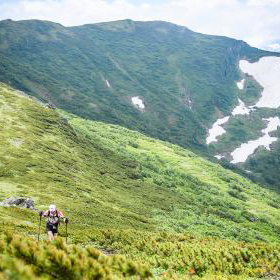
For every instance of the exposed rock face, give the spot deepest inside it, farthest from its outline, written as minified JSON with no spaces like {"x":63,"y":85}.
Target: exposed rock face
{"x":20,"y":202}
{"x":51,"y":106}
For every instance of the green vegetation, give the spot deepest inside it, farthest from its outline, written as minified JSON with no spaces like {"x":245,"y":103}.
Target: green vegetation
{"x":251,"y":92}
{"x":148,"y":255}
{"x":239,"y":129}
{"x":265,"y":164}
{"x":22,"y":258}
{"x":130,"y":195}
{"x":186,"y":79}
{"x":200,"y":183}
{"x":182,"y":255}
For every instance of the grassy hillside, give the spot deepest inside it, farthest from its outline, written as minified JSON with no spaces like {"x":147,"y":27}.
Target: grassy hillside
{"x":185,"y":79}
{"x":132,"y":195}
{"x":123,"y":178}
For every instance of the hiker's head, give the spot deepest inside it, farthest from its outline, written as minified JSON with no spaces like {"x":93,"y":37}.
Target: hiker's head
{"x":52,"y":208}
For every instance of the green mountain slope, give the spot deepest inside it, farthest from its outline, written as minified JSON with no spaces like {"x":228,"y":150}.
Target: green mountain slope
{"x":185,"y":79}
{"x":126,"y":194}
{"x":122,"y":179}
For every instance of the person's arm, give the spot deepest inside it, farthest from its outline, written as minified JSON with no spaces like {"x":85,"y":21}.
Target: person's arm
{"x":60,"y":214}
{"x":45,"y":214}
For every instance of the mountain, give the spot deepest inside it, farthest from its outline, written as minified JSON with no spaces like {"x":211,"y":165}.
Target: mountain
{"x":124,"y":179}
{"x":151,"y":201}
{"x":154,"y":77}
{"x":181,"y":81}
{"x":158,"y":208}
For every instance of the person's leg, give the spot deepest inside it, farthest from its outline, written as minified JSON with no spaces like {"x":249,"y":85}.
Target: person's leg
{"x":50,"y":234}
{"x":55,"y":231}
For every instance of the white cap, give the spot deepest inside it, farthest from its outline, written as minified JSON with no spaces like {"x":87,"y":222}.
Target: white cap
{"x":52,"y":207}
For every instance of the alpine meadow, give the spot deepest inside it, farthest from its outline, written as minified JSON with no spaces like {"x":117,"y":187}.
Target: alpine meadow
{"x":141,"y":133}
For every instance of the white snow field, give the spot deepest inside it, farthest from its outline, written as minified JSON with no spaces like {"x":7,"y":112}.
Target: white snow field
{"x":216,"y":130}
{"x":242,"y":153}
{"x":138,"y":102}
{"x":240,"y":84}
{"x":267,"y":73}
{"x":241,"y":109}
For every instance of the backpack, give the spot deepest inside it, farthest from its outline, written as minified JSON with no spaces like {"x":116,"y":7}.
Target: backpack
{"x":53,"y":220}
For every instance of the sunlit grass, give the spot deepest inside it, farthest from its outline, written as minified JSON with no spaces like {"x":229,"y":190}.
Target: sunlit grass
{"x":122,"y":190}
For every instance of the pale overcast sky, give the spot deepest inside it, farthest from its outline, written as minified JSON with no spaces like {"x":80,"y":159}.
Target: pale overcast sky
{"x":254,"y":21}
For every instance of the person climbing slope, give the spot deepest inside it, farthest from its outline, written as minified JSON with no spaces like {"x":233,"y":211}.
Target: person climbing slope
{"x":53,"y":217}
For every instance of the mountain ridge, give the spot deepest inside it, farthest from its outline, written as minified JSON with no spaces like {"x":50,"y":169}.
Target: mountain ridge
{"x":185,"y":80}
{"x":128,"y":20}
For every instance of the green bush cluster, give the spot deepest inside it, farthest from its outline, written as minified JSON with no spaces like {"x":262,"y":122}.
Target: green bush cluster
{"x":136,"y":255}
{"x":23,"y":258}
{"x":182,"y":254}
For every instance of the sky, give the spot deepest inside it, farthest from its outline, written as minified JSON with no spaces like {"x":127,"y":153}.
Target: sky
{"x":255,"y":21}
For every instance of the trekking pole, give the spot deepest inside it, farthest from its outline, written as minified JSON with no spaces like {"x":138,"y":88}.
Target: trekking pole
{"x":66,"y":225}
{"x":39,"y":232}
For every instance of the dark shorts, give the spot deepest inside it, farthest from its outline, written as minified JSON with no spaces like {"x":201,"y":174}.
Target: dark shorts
{"x":52,"y":227}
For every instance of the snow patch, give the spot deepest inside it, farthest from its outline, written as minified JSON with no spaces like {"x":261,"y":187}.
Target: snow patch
{"x":216,"y":130}
{"x":218,"y":156}
{"x":240,"y":84}
{"x":241,"y":109}
{"x":267,"y":72}
{"x":138,"y":102}
{"x":190,"y":104}
{"x":108,"y":84}
{"x":246,"y":149}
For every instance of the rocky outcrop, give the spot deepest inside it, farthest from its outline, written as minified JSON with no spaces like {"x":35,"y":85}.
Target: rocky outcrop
{"x":20,"y":202}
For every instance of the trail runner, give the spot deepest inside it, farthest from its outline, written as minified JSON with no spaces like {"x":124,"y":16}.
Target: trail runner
{"x":53,"y":217}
